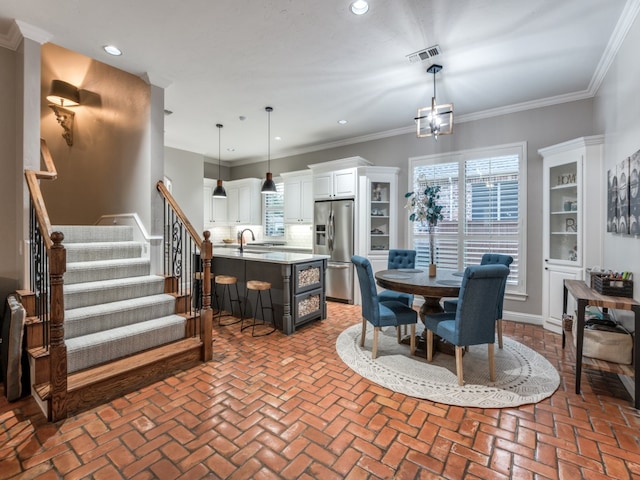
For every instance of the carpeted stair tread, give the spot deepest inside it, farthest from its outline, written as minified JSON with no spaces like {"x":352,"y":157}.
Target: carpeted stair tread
{"x":95,"y":251}
{"x":94,"y":349}
{"x":95,"y":318}
{"x":94,"y":233}
{"x":80,"y":272}
{"x":94,"y":293}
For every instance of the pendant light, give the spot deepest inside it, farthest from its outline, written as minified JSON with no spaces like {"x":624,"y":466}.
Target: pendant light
{"x":437,"y":119}
{"x":219,"y":191}
{"x":269,"y":186}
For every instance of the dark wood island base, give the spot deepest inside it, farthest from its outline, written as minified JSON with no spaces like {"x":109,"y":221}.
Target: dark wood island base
{"x":297,"y":283}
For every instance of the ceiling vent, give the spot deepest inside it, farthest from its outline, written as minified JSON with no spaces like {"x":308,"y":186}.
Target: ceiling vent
{"x":424,"y":54}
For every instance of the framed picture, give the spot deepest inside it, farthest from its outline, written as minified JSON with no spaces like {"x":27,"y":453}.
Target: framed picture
{"x":612,"y":202}
{"x":622,"y":172}
{"x":634,"y":194}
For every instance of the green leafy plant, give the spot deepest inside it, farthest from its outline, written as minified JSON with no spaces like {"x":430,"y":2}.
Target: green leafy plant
{"x":424,"y":205}
{"x":424,"y":208}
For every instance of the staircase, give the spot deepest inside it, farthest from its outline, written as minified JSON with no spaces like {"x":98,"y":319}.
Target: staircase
{"x":121,"y":329}
{"x":113,"y":306}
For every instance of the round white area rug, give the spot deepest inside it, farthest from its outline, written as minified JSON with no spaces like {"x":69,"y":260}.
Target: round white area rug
{"x":522,"y":375}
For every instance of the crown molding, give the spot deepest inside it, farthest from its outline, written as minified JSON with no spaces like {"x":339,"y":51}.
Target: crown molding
{"x":11,"y":39}
{"x":33,"y":33}
{"x":627,"y":17}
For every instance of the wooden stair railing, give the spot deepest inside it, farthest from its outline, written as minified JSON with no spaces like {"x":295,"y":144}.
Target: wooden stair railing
{"x":49,"y":291}
{"x":64,"y":394}
{"x":179,"y":262}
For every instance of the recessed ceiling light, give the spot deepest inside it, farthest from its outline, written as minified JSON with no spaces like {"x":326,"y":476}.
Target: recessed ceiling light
{"x":277,"y":138}
{"x":112,"y":50}
{"x":342,"y":122}
{"x":359,"y":7}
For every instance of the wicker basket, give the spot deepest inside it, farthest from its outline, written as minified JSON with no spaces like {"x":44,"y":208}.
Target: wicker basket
{"x":612,"y":286}
{"x":567,"y":322}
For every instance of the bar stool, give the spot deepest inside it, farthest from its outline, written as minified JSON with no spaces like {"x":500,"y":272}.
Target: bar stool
{"x":259,"y":287}
{"x":226,"y":281}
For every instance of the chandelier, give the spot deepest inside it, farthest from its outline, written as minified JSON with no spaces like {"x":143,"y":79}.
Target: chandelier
{"x":437,"y":119}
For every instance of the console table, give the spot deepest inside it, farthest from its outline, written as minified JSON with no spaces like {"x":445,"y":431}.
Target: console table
{"x":587,"y":296}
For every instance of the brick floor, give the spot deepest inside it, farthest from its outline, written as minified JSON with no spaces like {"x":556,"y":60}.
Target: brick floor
{"x":287,"y":407}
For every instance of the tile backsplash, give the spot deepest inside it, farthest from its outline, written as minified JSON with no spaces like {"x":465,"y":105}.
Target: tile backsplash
{"x":294,"y":235}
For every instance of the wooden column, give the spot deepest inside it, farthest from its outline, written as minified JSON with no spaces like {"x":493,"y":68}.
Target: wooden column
{"x":58,"y":349}
{"x":206,"y":314}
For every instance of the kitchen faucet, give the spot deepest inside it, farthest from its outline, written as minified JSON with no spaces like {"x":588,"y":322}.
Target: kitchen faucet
{"x":253,"y":237}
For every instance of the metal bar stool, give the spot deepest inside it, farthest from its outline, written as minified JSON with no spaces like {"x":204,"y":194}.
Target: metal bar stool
{"x":226,"y":281}
{"x":259,"y":287}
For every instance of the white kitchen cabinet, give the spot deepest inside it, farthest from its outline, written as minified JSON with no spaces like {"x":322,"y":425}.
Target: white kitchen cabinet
{"x":298,"y":197}
{"x":215,"y":209}
{"x":573,"y":218}
{"x":244,"y":202}
{"x":333,"y":185}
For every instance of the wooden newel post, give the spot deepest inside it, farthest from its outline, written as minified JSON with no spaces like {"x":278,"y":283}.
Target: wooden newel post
{"x":57,"y":348}
{"x":206,"y":314}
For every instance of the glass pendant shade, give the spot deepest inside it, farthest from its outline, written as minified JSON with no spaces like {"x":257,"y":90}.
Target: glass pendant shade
{"x":269,"y":185}
{"x":219,"y":191}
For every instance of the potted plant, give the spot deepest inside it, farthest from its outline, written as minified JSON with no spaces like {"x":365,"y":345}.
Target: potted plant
{"x":425,"y":209}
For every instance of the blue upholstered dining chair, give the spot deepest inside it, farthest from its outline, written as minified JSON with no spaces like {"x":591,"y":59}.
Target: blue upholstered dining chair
{"x":473,"y":322}
{"x":399,"y":259}
{"x":488,"y":259}
{"x":381,"y":314}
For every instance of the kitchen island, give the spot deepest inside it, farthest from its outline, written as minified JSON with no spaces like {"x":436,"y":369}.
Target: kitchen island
{"x":297,"y":282}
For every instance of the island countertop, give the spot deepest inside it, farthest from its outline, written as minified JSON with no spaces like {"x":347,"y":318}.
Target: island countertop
{"x":287,"y":258}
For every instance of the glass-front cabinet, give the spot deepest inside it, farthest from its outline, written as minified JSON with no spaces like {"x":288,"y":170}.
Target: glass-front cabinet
{"x":573,"y":219}
{"x":379,"y":215}
{"x":378,"y":219}
{"x":563,"y":213}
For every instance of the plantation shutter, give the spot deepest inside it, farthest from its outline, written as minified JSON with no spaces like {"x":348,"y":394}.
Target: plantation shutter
{"x":274,"y":213}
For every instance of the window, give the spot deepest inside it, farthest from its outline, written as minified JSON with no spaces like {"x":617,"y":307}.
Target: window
{"x":273,"y":208}
{"x":484,"y":196}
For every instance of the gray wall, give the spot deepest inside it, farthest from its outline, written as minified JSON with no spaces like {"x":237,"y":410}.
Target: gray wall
{"x":8,"y":193}
{"x":185,"y":171}
{"x":539,"y":128}
{"x":108,"y":168}
{"x":617,"y":113}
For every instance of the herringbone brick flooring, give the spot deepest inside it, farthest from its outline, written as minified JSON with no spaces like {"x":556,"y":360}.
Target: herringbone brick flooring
{"x":287,"y":407}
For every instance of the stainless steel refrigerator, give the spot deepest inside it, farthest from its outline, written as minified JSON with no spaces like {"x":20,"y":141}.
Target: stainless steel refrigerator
{"x":333,"y":236}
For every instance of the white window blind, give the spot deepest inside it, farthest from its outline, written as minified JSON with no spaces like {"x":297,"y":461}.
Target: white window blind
{"x":273,"y":208}
{"x":483,"y":193}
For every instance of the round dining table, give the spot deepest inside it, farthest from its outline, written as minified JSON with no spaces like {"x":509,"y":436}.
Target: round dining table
{"x":417,"y":281}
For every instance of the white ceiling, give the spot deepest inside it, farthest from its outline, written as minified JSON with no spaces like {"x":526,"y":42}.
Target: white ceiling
{"x":316,"y":63}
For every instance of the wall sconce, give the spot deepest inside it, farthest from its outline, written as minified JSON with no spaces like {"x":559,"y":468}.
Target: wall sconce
{"x":63,"y":94}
